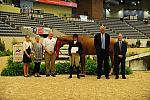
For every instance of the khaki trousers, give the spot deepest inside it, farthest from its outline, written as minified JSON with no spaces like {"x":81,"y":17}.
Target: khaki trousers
{"x":50,"y":63}
{"x":75,"y":59}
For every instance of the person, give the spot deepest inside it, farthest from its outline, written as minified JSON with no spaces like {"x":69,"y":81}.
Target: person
{"x":49,"y":46}
{"x":102,"y":43}
{"x":120,"y":49}
{"x":75,"y":51}
{"x":38,"y":55}
{"x":27,"y":48}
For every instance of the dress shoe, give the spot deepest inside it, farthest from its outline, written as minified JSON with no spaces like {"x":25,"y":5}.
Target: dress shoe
{"x":47,"y":75}
{"x":69,"y":77}
{"x":28,"y":75}
{"x":25,"y":76}
{"x":124,"y":77}
{"x":53,"y":75}
{"x":98,"y":77}
{"x":78,"y":76}
{"x":107,"y":77}
{"x":117,"y":77}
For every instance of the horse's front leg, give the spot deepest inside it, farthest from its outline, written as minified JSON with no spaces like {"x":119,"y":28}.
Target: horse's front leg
{"x":83,"y":72}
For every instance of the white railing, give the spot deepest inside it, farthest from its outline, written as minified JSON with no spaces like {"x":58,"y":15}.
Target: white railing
{"x":138,"y":56}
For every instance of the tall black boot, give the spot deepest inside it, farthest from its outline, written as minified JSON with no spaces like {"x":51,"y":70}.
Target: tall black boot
{"x":70,"y":71}
{"x":78,"y":72}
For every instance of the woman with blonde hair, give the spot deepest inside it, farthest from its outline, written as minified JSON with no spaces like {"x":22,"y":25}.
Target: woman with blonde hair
{"x":27,"y":46}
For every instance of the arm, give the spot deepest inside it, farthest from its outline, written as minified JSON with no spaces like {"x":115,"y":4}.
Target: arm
{"x":108,"y":41}
{"x":44,"y":46}
{"x":24,"y":49}
{"x":125,"y":50}
{"x":115,"y":49}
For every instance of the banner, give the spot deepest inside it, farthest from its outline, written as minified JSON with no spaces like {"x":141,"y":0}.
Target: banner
{"x":83,"y":18}
{"x":40,"y":30}
{"x":59,"y":2}
{"x":17,"y":53}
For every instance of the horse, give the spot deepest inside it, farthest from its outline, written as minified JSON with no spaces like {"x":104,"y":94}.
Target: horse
{"x":88,"y":48}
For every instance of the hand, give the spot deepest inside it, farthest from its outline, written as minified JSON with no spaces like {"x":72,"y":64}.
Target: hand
{"x":120,"y":56}
{"x":28,"y":56}
{"x":31,"y":54}
{"x":51,"y":52}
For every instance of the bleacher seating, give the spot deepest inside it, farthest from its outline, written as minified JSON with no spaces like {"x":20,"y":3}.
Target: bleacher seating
{"x":141,"y":26}
{"x":61,"y":25}
{"x":116,"y":25}
{"x":93,"y":27}
{"x":6,"y":30}
{"x":131,"y":30}
{"x":20,"y":20}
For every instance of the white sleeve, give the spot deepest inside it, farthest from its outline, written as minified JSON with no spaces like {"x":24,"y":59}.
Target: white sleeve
{"x":24,"y":46}
{"x":31,"y":46}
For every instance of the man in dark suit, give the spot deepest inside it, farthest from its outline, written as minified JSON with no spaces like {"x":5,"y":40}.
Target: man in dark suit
{"x":120,"y":49}
{"x":102,"y":43}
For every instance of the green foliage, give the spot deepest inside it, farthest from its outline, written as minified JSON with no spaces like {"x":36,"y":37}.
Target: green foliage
{"x":90,"y":66}
{"x":13,"y":68}
{"x":16,"y":68}
{"x":128,"y":70}
{"x":5,"y":53}
{"x":62,"y":68}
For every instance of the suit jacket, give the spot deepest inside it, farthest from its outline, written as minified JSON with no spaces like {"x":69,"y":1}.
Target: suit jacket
{"x":78,"y":44}
{"x":121,"y":51}
{"x":97,"y":42}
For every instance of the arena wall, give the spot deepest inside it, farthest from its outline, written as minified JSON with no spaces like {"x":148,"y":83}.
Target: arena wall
{"x":8,"y":41}
{"x":54,"y":9}
{"x":9,"y":8}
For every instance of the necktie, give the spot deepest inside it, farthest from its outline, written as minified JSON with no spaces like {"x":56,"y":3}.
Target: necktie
{"x":103,"y":41}
{"x":120,"y":43}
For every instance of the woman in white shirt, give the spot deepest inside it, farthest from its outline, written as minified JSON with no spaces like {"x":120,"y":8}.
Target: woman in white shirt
{"x":27,"y":46}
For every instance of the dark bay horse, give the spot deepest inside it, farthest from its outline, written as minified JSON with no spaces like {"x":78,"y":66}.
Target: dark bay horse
{"x":88,"y":48}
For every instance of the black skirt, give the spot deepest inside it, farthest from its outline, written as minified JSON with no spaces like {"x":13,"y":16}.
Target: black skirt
{"x":26,"y":59}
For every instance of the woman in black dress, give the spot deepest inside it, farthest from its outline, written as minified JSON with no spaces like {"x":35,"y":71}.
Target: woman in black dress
{"x":27,"y":46}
